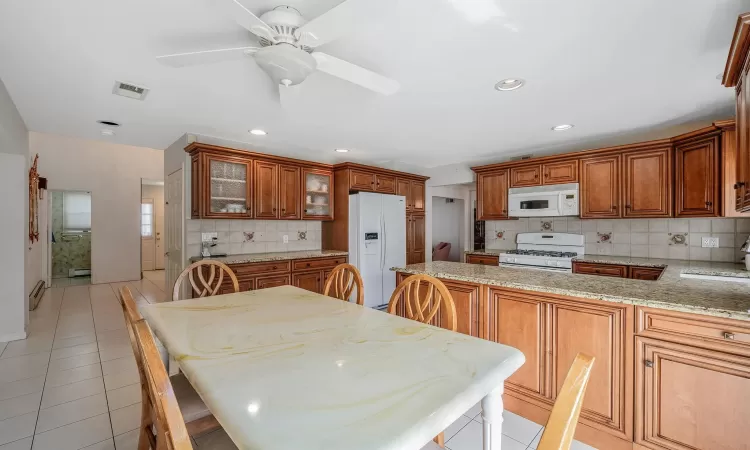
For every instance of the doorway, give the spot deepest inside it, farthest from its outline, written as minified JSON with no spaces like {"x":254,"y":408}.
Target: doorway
{"x":447,"y":228}
{"x":69,"y":218}
{"x":152,"y":231}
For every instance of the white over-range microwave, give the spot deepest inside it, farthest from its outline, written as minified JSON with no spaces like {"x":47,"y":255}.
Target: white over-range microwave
{"x":544,"y":201}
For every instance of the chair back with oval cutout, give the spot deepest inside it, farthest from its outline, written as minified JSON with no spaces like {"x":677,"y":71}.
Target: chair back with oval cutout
{"x":342,"y":281}
{"x":423,"y":297}
{"x":209,"y":274}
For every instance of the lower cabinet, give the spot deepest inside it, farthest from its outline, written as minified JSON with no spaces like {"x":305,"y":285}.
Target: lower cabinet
{"x":311,"y":281}
{"x":245,"y":285}
{"x":466,"y":297}
{"x":689,"y":398}
{"x":415,"y":239}
{"x":484,"y":260}
{"x":271,"y":281}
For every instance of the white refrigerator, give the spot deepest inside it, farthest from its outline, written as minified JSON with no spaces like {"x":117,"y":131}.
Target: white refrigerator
{"x":377,"y":242}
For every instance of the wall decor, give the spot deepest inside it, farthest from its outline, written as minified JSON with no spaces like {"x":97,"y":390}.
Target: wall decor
{"x":34,"y":201}
{"x":604,"y":237}
{"x":547,"y":226}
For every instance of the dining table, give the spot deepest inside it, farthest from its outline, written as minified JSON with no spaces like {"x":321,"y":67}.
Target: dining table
{"x":286,"y":368}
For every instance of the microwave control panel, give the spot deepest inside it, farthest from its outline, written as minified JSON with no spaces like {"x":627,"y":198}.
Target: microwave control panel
{"x":569,"y":204}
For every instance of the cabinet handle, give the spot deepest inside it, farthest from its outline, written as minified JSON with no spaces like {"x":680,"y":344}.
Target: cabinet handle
{"x":536,"y":175}
{"x":596,"y":270}
{"x":274,"y":267}
{"x":614,"y":208}
{"x":308,"y":264}
{"x":728,"y":335}
{"x":741,"y":184}
{"x":627,"y":206}
{"x":709,"y":203}
{"x":649,"y":363}
{"x":283,"y":209}
{"x":546,"y":175}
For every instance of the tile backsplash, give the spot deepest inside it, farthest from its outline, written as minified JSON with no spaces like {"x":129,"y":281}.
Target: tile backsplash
{"x":652,"y":238}
{"x":254,"y":236}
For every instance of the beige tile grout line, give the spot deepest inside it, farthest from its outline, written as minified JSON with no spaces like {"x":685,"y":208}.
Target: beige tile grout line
{"x":106,"y":397}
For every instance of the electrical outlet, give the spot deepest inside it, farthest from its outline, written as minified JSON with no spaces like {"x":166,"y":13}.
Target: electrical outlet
{"x":711,"y":242}
{"x":208,"y":237}
{"x":286,"y":238}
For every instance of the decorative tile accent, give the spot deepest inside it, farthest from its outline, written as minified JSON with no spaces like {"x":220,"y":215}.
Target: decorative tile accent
{"x":302,"y":235}
{"x":500,"y":234}
{"x":604,"y":238}
{"x":678,"y":239}
{"x":546,"y":226}
{"x":249,"y":236}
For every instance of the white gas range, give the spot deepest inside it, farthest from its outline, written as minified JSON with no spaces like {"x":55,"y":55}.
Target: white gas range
{"x":544,"y":251}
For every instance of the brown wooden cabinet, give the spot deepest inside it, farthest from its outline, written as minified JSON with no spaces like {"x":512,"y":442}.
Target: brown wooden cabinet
{"x":289,"y":192}
{"x":647,"y":183}
{"x":466,"y":297}
{"x":361,"y":181}
{"x":560,"y":172}
{"x":266,"y":282}
{"x":604,"y":332}
{"x":403,"y":187}
{"x":600,"y":187}
{"x":645,"y":273}
{"x":236,"y":184}
{"x":690,"y":398}
{"x":385,"y":184}
{"x":604,"y":270}
{"x":526,"y":176}
{"x":485,"y":260}
{"x":415,"y":239}
{"x":417,"y":192}
{"x":520,"y":321}
{"x":311,"y":281}
{"x":697,"y":191}
{"x":492,"y":195}
{"x":266,"y":190}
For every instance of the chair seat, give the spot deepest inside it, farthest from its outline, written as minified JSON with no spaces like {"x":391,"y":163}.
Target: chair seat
{"x":191,"y":405}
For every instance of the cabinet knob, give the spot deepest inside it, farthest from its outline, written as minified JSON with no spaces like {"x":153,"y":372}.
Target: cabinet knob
{"x":308,"y":264}
{"x":709,"y":203}
{"x":649,"y":363}
{"x":741,"y":184}
{"x":627,"y":206}
{"x":546,"y":175}
{"x":536,"y":175}
{"x":597,"y":270}
{"x":274,"y":267}
{"x":728,"y":335}
{"x":614,"y":208}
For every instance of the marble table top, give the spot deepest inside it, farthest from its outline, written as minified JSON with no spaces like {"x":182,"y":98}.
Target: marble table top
{"x":285,"y":368}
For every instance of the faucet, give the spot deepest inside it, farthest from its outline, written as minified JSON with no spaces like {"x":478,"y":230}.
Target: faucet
{"x":205,"y":245}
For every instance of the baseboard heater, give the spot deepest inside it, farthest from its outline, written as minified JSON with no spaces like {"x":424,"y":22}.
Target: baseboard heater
{"x":36,"y":295}
{"x":78,"y":273}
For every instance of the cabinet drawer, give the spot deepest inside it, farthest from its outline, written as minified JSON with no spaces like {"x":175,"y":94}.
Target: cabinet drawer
{"x":272,"y":281}
{"x":319,"y":263}
{"x":483,"y":260}
{"x":645,"y":273}
{"x":702,"y":331}
{"x":245,"y":270}
{"x":605,"y":270}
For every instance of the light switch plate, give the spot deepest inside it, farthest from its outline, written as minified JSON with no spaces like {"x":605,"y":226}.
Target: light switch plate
{"x":208,"y":237}
{"x":710,"y":242}
{"x":286,"y":238}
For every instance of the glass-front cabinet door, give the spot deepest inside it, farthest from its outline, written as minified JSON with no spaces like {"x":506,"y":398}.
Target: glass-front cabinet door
{"x":229,"y":187}
{"x":318,"y":198}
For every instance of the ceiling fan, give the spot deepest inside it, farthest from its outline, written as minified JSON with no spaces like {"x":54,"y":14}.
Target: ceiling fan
{"x":287,"y":43}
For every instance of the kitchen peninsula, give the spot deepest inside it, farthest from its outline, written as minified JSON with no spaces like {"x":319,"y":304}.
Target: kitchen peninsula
{"x":657,"y":345}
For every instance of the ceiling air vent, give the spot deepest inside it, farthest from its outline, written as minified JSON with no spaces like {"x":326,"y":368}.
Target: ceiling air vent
{"x":130,"y":90}
{"x":521,"y":158}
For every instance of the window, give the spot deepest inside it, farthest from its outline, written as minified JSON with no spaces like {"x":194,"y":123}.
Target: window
{"x":77,"y":211}
{"x":147,"y":218}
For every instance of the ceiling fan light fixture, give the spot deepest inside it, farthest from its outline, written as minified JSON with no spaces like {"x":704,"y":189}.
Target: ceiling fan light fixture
{"x":342,"y":150}
{"x":509,"y":84}
{"x":563,"y":127}
{"x":258,"y":132}
{"x":285,"y":64}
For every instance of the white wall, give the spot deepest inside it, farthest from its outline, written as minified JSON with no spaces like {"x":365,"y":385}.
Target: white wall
{"x":448,"y":224}
{"x":14,"y":204}
{"x":113,"y":173}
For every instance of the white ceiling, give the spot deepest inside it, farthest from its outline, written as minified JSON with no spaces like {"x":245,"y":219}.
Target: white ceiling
{"x":614,"y":69}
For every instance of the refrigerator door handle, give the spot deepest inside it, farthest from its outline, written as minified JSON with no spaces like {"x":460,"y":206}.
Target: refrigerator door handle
{"x":382,"y":242}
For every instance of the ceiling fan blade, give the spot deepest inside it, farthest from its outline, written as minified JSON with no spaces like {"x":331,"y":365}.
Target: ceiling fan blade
{"x":247,"y":19}
{"x":355,"y":74}
{"x":339,"y":21}
{"x":205,"y":57}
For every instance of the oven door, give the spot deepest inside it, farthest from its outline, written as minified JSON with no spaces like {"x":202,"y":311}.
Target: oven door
{"x":534,"y":204}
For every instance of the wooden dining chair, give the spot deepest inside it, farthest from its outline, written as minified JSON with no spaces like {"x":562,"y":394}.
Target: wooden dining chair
{"x":342,"y":281}
{"x":199,"y":418}
{"x":561,"y":425}
{"x":423,"y":297}
{"x":210,"y":275}
{"x":167,"y":431}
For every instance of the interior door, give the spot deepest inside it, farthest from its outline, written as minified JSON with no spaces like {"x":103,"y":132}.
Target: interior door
{"x":174,"y":231}
{"x":148,"y":243}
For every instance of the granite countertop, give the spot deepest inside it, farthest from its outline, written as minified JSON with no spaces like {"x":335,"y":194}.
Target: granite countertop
{"x":715,"y":298}
{"x":718,"y":269}
{"x":483,"y":252}
{"x":275,"y":256}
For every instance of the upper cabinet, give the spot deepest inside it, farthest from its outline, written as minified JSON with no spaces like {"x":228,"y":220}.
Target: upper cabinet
{"x":697,"y":185}
{"x":229,"y":183}
{"x":647,"y":183}
{"x":600,"y":187}
{"x":492,"y":195}
{"x":224,"y":186}
{"x":385,"y":184}
{"x":560,"y":172}
{"x":525,"y":176}
{"x":318,"y":201}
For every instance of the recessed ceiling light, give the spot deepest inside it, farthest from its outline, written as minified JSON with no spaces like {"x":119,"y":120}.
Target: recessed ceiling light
{"x":258,"y":132}
{"x":108,"y":132}
{"x":563,"y":127}
{"x":509,"y":84}
{"x":109,"y":123}
{"x":342,"y":150}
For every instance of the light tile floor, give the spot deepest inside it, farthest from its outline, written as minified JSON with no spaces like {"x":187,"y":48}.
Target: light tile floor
{"x":73,"y":384}
{"x":66,"y":281}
